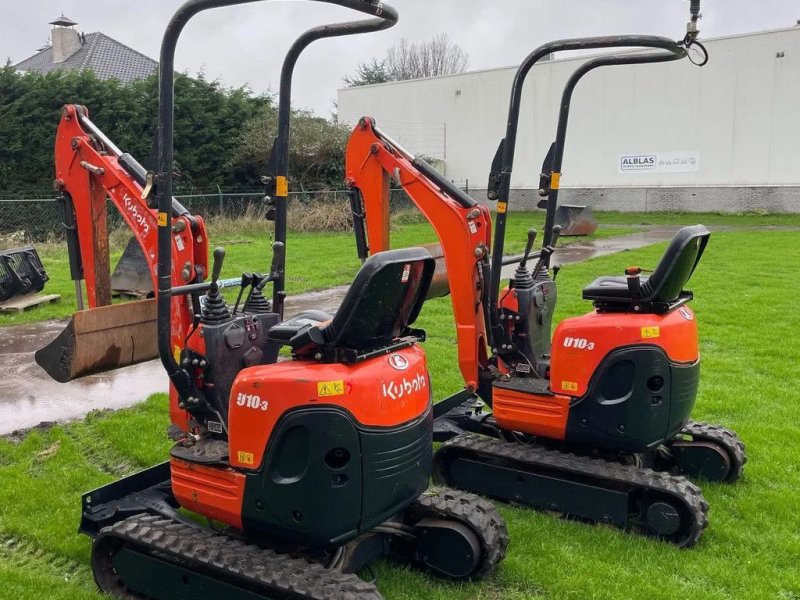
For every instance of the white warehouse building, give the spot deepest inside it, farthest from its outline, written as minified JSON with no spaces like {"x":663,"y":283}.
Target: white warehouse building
{"x":725,"y":137}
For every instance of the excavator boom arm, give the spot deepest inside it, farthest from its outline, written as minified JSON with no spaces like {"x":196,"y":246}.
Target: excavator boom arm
{"x":90,"y":171}
{"x":462,"y":226}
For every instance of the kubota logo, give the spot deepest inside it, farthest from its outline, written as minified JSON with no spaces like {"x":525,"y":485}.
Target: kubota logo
{"x":399,"y":389}
{"x":137,"y":217}
{"x":398,"y":362}
{"x":578,"y":343}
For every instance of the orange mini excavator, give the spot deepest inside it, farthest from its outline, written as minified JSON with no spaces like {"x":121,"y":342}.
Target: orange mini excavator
{"x":306,"y":469}
{"x":595,"y":422}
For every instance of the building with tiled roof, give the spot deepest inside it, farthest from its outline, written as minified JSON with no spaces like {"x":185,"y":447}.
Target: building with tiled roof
{"x":74,"y":51}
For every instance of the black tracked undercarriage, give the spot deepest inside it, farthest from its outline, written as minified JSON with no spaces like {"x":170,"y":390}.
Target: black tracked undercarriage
{"x":144,"y":548}
{"x":648,"y":493}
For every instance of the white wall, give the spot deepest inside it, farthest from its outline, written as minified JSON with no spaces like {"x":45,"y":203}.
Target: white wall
{"x":740,"y":113}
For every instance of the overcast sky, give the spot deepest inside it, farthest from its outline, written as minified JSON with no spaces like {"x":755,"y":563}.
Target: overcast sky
{"x":245,"y":45}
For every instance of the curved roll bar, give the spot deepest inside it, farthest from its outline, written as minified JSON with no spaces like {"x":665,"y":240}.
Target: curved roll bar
{"x":499,"y":187}
{"x":500,"y":178}
{"x":281,"y":148}
{"x":384,"y":16}
{"x":563,"y":119}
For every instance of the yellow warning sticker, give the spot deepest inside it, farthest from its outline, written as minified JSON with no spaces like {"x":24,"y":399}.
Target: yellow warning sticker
{"x":650,"y":333}
{"x":569,"y":386}
{"x":176,"y":353}
{"x":555,"y":180}
{"x":502,"y":207}
{"x":330,"y":388}
{"x":162,"y":219}
{"x":245,"y":458}
{"x":281,"y":186}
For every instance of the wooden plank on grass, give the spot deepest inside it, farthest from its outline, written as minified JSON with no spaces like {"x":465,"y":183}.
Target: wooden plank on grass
{"x":27,"y":301}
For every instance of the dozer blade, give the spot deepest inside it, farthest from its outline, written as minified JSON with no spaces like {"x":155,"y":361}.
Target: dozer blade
{"x":575,"y":220}
{"x":101,"y":339}
{"x":132,"y":276}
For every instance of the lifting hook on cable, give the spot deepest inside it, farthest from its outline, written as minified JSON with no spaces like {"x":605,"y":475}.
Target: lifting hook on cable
{"x":696,"y":51}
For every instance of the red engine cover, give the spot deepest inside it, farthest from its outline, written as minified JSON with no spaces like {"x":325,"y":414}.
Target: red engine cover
{"x":580,"y":343}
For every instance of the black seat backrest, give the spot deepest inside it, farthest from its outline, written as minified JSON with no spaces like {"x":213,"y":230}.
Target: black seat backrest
{"x":384,"y":299}
{"x":677,"y":265}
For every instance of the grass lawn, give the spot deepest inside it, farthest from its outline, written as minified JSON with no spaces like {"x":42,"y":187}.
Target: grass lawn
{"x":317,"y":261}
{"x":746,"y":288}
{"x":314,"y":260}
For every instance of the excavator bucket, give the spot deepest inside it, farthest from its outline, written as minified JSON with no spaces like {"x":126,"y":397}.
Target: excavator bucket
{"x":575,"y":220}
{"x":100,"y":339}
{"x":131,"y":276}
{"x":440,"y":285}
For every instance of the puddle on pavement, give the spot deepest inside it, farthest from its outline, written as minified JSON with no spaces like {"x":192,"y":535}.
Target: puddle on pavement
{"x":28,"y":396}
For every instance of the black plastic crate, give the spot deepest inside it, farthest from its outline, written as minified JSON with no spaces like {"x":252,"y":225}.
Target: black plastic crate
{"x":21,"y":272}
{"x":6,"y":282}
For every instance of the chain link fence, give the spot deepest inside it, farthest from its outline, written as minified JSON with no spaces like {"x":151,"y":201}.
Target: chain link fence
{"x":36,"y":217}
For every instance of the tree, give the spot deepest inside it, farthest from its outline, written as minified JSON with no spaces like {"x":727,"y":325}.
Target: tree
{"x":208,"y":120}
{"x":368,"y":73}
{"x":412,"y":60}
{"x":316,"y":149}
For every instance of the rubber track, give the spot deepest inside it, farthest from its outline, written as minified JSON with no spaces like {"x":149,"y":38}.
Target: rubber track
{"x":724,"y":437}
{"x":478,"y":514}
{"x":235,"y":561}
{"x":616,"y":474}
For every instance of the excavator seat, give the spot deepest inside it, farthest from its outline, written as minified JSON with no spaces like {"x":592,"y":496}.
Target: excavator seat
{"x":384,"y":299}
{"x":663,"y":290}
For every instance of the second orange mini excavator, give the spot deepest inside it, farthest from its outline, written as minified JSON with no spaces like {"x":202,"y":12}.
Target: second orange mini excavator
{"x":595,"y":420}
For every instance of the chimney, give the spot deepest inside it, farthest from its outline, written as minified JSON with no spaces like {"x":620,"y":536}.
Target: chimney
{"x":66,"y":40}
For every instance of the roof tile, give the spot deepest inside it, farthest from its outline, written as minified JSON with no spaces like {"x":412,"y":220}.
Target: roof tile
{"x":108,"y":58}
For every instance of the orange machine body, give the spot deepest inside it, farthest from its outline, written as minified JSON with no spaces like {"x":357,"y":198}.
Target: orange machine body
{"x":581,"y":343}
{"x":379,"y":394}
{"x":374,"y":392}
{"x":531,"y":413}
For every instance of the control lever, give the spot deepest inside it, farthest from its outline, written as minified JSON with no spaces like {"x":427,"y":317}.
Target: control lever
{"x":278,"y":258}
{"x":528,"y":247}
{"x":215,"y":310}
{"x":556,"y":235}
{"x":247,"y":279}
{"x":256,"y":302}
{"x":216,"y":269}
{"x":522,"y":278}
{"x":547,"y":252}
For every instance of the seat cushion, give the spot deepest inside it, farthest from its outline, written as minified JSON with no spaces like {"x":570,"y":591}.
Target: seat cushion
{"x":289,"y":328}
{"x":609,"y":288}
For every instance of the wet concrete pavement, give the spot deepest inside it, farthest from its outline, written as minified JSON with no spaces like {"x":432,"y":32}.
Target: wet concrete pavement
{"x":582,"y":251}
{"x":28,"y":396}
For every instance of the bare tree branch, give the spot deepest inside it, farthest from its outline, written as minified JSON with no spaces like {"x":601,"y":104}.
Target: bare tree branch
{"x":413,"y":60}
